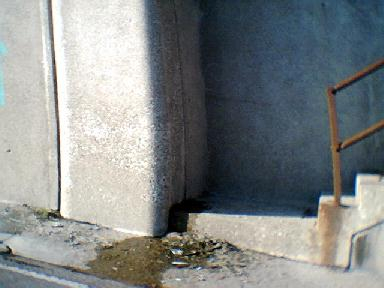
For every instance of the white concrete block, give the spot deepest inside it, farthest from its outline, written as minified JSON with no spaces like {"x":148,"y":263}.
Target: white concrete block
{"x":362,"y":179}
{"x":372,"y":201}
{"x":121,"y":112}
{"x":28,"y":132}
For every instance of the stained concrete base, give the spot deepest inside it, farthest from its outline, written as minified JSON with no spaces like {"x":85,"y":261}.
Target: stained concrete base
{"x":325,"y":240}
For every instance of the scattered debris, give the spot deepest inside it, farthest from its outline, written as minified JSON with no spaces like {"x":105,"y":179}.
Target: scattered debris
{"x":180,"y":264}
{"x":177,"y":251}
{"x":94,"y":227}
{"x":107,"y":245}
{"x":4,"y":249}
{"x":142,"y":260}
{"x":57,"y":225}
{"x":42,"y":213}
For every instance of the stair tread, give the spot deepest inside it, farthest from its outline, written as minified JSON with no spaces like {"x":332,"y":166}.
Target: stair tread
{"x":246,"y":207}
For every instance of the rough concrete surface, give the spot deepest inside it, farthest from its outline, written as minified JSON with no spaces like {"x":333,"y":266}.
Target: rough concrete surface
{"x":225,"y":267}
{"x":368,"y":252}
{"x":266,"y":66}
{"x":33,"y":234}
{"x":28,"y":134}
{"x":18,"y":272}
{"x":109,"y":114}
{"x":290,"y":237}
{"x":249,"y":269}
{"x":285,"y":232}
{"x":121,"y":112}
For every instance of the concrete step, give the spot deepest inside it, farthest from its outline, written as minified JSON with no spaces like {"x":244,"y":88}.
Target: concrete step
{"x":370,"y":196}
{"x":275,"y":235}
{"x":367,"y":249}
{"x":335,"y":227}
{"x":290,"y":232}
{"x":277,"y":230}
{"x":363,"y":179}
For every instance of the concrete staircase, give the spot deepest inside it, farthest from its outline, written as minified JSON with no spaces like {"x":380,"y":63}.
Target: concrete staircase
{"x":331,"y":238}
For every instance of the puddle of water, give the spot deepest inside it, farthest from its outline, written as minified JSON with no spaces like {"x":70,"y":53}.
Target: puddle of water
{"x":142,"y":260}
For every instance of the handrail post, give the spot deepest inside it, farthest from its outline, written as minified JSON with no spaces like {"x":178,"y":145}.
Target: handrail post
{"x":335,"y":143}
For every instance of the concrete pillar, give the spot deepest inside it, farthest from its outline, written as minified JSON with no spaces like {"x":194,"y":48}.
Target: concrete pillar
{"x":122,"y":116}
{"x":28,"y":146}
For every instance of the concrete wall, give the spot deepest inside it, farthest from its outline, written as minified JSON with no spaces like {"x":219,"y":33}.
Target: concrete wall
{"x":188,"y":20}
{"x":122,"y":116}
{"x":266,"y":66}
{"x":28,"y":146}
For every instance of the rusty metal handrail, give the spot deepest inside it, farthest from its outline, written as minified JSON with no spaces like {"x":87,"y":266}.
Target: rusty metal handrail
{"x":336,"y":145}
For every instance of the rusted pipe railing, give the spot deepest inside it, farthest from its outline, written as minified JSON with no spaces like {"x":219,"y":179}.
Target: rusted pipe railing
{"x":361,"y":135}
{"x":336,"y":145}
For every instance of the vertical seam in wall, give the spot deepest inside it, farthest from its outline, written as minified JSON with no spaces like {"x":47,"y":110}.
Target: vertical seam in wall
{"x":178,"y":48}
{"x":56,"y":96}
{"x":53,"y":160}
{"x":63,"y":103}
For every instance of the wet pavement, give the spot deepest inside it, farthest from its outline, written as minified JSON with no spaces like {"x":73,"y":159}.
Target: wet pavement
{"x":143,"y":260}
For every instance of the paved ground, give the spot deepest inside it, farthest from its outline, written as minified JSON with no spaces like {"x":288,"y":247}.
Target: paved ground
{"x":17,"y":272}
{"x":262,"y":271}
{"x":38,"y":234}
{"x":73,"y":244}
{"x":20,"y":279}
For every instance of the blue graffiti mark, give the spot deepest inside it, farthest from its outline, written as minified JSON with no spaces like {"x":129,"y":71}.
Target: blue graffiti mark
{"x":3,"y":51}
